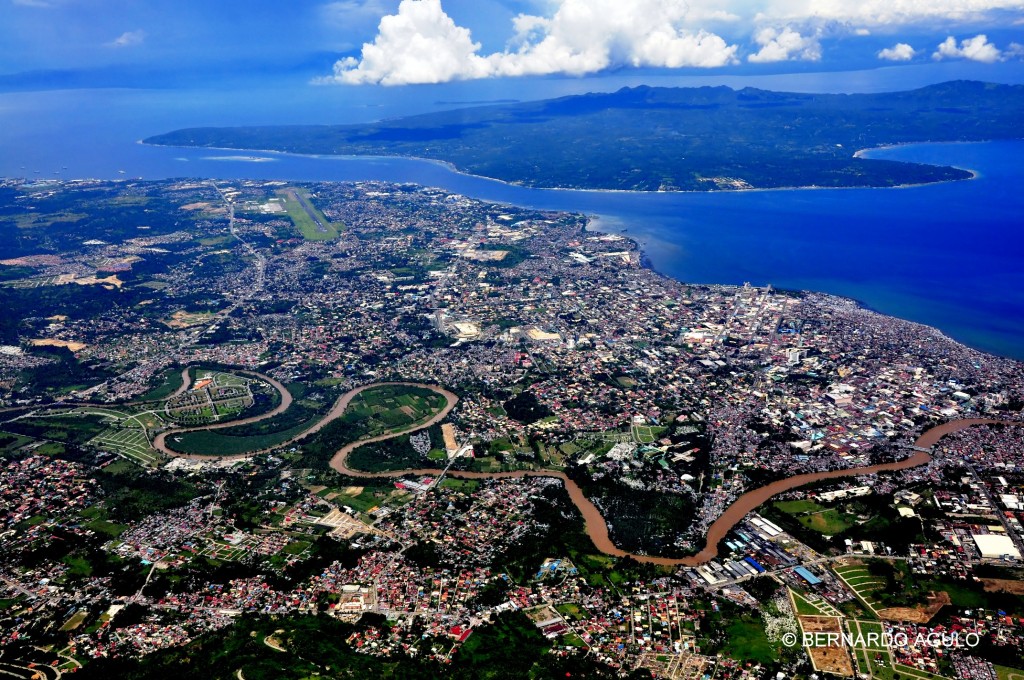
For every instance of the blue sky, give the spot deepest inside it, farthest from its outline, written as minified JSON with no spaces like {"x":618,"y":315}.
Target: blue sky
{"x":372,"y":42}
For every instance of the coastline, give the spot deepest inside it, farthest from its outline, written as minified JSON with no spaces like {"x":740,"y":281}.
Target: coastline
{"x":647,"y":263}
{"x":448,"y":165}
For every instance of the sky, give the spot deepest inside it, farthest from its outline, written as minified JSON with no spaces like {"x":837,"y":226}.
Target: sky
{"x":395,"y":43}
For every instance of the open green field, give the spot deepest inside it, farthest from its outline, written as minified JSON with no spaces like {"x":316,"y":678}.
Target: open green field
{"x":170,"y":381}
{"x":70,"y":427}
{"x":76,"y":620}
{"x":863,"y":583}
{"x":870,"y":633}
{"x":389,"y":408}
{"x":824,"y":520}
{"x":572,"y":611}
{"x":216,"y":443}
{"x":299,"y":212}
{"x":109,"y":529}
{"x":804,"y":607}
{"x":747,"y":641}
{"x":463,"y":485}
{"x":797,"y":507}
{"x":1007,"y":673}
{"x":647,"y":434}
{"x":10,"y":442}
{"x":369,"y":497}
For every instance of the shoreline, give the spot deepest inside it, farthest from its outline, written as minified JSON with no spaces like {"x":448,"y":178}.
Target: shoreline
{"x":448,"y":165}
{"x":647,"y":263}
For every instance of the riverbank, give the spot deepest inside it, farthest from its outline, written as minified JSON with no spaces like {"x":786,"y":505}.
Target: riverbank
{"x":597,"y":526}
{"x":336,"y":411}
{"x":160,"y":441}
{"x":595,"y":523}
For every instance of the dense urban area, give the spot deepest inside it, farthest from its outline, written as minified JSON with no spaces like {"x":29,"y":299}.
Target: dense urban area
{"x":259,"y":429}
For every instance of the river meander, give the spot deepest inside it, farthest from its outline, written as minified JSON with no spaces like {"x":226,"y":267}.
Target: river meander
{"x":596,"y":525}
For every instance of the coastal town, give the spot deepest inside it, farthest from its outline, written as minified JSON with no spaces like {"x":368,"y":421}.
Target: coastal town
{"x":423,"y":418}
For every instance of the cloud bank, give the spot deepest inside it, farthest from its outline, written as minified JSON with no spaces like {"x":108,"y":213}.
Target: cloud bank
{"x":420,"y":43}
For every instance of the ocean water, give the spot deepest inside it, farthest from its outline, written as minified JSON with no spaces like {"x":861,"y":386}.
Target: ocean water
{"x":948,"y":255}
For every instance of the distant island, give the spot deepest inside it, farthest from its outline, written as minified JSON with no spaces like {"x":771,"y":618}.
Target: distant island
{"x":668,"y":139}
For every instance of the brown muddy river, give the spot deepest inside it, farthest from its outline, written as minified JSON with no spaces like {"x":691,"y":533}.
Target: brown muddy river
{"x":596,"y":526}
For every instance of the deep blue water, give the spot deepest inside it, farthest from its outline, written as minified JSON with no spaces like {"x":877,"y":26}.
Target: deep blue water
{"x":948,"y":255}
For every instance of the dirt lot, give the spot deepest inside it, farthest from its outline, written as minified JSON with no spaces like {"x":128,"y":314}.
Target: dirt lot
{"x":542,"y":613}
{"x":52,"y":342}
{"x":1003,"y":585}
{"x":183,"y":319}
{"x":918,"y":614}
{"x":820,"y":624}
{"x":834,"y":660}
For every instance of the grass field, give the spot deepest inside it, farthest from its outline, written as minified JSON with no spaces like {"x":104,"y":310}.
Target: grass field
{"x":364,"y":499}
{"x":824,"y":520}
{"x":863,"y":583}
{"x":572,"y":611}
{"x":302,"y":219}
{"x":214,"y":443}
{"x":10,"y":442}
{"x":463,"y":485}
{"x":747,"y":641}
{"x":76,"y":620}
{"x":71,"y":427}
{"x":803,"y":606}
{"x":647,"y":434}
{"x":171,"y":381}
{"x":1007,"y":673}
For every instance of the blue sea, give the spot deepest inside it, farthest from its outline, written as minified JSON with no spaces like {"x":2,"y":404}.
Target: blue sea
{"x":948,"y":255}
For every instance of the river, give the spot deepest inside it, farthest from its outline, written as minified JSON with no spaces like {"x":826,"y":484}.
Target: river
{"x":596,"y":526}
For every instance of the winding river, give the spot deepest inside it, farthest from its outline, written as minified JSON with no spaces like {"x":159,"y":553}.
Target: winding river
{"x":596,"y":526}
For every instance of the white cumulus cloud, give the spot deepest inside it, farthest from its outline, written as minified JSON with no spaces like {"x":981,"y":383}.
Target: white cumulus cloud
{"x":784,"y":45}
{"x":977,"y":48}
{"x":422,"y":44}
{"x":898,"y":52}
{"x":128,"y":39}
{"x":419,"y":44}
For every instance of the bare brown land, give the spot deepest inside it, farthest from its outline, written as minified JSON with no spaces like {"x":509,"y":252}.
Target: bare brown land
{"x":1003,"y":585}
{"x":919,"y":614}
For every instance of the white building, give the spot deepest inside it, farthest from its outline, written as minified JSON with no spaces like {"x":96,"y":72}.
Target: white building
{"x":995,"y":546}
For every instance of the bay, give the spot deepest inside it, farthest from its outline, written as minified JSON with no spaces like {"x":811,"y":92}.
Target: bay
{"x":947,"y":255}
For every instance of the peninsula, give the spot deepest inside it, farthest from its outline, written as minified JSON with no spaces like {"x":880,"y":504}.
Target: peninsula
{"x":667,"y":139}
